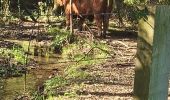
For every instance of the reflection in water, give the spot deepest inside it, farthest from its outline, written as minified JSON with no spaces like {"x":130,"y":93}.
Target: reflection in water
{"x":13,"y":87}
{"x":2,"y":83}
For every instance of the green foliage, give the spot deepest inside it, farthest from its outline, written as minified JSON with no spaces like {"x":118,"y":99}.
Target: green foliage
{"x":37,"y":96}
{"x":131,"y":2}
{"x":53,"y":31}
{"x":85,"y":53}
{"x":135,"y":2}
{"x":19,"y":55}
{"x":61,"y":37}
{"x":42,"y":7}
{"x":136,"y":14}
{"x":134,"y":10}
{"x":73,"y":91}
{"x":76,"y":52}
{"x":16,"y":53}
{"x":75,"y":72}
{"x":55,"y":82}
{"x":70,"y":94}
{"x":10,"y":71}
{"x":11,"y":59}
{"x":85,"y":50}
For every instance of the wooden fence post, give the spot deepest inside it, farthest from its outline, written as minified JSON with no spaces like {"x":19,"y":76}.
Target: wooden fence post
{"x":151,"y":76}
{"x":159,"y":71}
{"x":144,"y":53}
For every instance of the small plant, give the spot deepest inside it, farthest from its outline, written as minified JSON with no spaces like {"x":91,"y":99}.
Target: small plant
{"x":37,"y":96}
{"x":12,"y":61}
{"x":54,"y":83}
{"x":16,"y":53}
{"x":42,"y":8}
{"x":19,"y":55}
{"x":75,"y":72}
{"x":62,"y":37}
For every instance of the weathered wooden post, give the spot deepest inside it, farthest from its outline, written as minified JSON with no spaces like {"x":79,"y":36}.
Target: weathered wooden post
{"x":151,"y":76}
{"x":144,"y":53}
{"x":159,"y":71}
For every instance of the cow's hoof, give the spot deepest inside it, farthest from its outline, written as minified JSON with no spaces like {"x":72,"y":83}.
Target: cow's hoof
{"x":103,"y":36}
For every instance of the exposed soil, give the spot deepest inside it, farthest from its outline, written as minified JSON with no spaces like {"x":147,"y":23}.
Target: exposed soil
{"x":114,"y":79}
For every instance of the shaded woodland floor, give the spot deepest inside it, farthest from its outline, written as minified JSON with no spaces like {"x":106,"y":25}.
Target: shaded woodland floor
{"x":112,"y":80}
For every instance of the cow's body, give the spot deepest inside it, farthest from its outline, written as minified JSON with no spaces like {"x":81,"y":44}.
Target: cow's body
{"x":99,"y":9}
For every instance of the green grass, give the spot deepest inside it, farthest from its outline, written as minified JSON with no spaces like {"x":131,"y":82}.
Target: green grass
{"x":84,"y":54}
{"x":12,"y":59}
{"x":85,"y":50}
{"x":17,"y":54}
{"x":61,"y":37}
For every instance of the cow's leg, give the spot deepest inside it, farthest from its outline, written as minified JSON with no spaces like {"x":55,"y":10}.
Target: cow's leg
{"x":67,"y":22}
{"x":98,"y":8}
{"x":108,"y":10}
{"x":105,"y":24}
{"x":80,"y":23}
{"x":67,"y":14}
{"x":98,"y":21}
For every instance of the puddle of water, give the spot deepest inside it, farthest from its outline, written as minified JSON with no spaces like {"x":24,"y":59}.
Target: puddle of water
{"x":13,"y":87}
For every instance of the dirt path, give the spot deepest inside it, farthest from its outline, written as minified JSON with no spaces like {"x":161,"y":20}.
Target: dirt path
{"x":113,"y":80}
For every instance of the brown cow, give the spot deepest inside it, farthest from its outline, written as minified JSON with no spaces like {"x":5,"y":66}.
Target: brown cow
{"x":85,"y":8}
